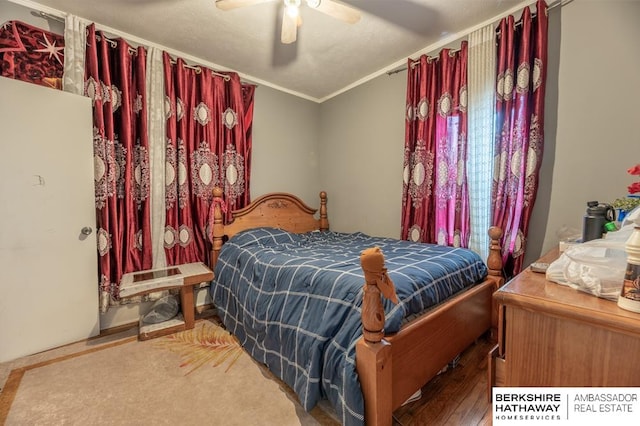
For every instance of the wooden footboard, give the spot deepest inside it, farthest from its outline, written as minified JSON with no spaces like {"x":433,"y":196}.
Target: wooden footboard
{"x":393,"y":368}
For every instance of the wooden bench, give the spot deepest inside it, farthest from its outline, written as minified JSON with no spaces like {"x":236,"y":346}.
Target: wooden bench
{"x":183,"y":277}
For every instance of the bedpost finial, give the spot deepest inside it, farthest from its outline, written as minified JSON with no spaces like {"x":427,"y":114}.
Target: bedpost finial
{"x":494,"y":261}
{"x":495,"y":233}
{"x":372,"y":263}
{"x":324,"y":221}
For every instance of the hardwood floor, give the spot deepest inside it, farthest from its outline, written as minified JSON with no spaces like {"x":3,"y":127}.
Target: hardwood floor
{"x":456,"y":397}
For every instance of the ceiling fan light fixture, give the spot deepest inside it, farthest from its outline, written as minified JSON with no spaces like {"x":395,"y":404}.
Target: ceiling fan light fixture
{"x":291,"y":13}
{"x":292,"y":8}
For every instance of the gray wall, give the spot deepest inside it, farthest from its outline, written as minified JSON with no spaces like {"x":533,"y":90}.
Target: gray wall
{"x":592,"y":107}
{"x":592,"y":111}
{"x":361,"y":153}
{"x":286,"y":136}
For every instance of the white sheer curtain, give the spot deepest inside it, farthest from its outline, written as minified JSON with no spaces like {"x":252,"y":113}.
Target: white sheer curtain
{"x":75,"y":39}
{"x":156,"y":126}
{"x":481,"y":136}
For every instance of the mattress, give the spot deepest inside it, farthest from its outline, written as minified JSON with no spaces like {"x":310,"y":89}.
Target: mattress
{"x":294,"y":302}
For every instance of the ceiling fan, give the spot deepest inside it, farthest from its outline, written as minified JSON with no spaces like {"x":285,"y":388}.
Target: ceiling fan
{"x":291,"y":14}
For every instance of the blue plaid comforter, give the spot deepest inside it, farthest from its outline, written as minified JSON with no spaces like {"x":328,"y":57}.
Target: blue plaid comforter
{"x":294,"y":302}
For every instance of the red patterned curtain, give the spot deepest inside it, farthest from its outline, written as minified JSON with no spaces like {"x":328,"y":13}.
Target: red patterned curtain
{"x":31,"y":54}
{"x":115,"y":81}
{"x":208,"y":144}
{"x":522,"y":64}
{"x":435,"y":198}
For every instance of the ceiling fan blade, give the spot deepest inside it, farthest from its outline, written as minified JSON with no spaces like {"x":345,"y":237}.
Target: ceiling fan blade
{"x":289,"y":28}
{"x":337,"y":10}
{"x":234,"y":4}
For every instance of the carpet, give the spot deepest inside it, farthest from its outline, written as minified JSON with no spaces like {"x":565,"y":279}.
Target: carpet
{"x":199,"y":376}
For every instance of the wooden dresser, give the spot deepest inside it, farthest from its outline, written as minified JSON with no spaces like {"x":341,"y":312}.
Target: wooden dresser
{"x":552,"y":335}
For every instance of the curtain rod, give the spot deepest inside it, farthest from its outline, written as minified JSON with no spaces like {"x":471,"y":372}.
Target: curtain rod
{"x":114,"y":43}
{"x":533,"y":14}
{"x":45,"y":15}
{"x":198,"y":70}
{"x":404,"y":67}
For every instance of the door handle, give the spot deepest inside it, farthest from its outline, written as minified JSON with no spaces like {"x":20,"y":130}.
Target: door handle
{"x":86,"y":230}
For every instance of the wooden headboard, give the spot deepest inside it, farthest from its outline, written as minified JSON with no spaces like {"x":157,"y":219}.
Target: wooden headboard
{"x":276,"y":210}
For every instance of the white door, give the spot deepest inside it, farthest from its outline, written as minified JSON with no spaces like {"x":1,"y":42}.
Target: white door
{"x":48,"y":266}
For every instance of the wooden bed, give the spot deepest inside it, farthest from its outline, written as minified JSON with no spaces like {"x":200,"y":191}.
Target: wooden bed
{"x":394,"y":367}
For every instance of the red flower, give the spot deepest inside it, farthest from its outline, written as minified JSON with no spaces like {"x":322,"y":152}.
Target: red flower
{"x":635,"y":170}
{"x":634,"y":188}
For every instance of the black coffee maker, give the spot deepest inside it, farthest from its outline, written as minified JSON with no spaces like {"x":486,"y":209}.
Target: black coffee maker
{"x":595,"y":220}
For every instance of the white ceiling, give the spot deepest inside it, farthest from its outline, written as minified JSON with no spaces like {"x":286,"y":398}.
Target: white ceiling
{"x":329,"y":55}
